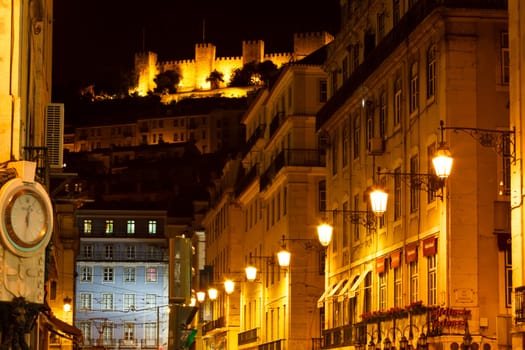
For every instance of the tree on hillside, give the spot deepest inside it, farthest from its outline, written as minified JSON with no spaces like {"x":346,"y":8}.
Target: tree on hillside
{"x":215,"y":78}
{"x":167,"y":82}
{"x":254,"y":74}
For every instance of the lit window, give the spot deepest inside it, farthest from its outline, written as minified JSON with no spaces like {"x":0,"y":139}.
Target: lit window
{"x":88,"y":226}
{"x":382,"y":280}
{"x":151,"y":274}
{"x":109,"y":227}
{"x":152,"y":227}
{"x":131,"y":227}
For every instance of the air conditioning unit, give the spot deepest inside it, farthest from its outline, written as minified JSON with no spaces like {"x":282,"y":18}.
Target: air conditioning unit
{"x":376,"y":145}
{"x":55,"y":134}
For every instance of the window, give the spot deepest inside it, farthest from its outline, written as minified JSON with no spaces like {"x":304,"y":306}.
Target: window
{"x":151,"y":300}
{"x":88,"y":226}
{"x":151,"y":252}
{"x":106,"y":302}
{"x":357,"y":132}
{"x":356,"y":224}
{"x":344,"y":68}
{"x":414,"y":281}
{"x":432,"y":279}
{"x":431,"y":71}
{"x":322,"y":195}
{"x":85,"y":327}
{"x":152,"y":227}
{"x":414,"y":88}
{"x":367,"y":300}
{"x":85,"y":301}
{"x":369,"y":125}
{"x":355,"y":60}
{"x":335,"y":155}
{"x":107,"y":334}
{"x":129,"y":274}
{"x":396,"y":12}
{"x":382,"y":281}
{"x":505,"y":58}
{"x":382,"y":114}
{"x":108,"y":250}
{"x":345,"y":225}
{"x":86,"y":274}
{"x":87,"y":251}
{"x":508,"y":275}
{"x":108,"y":274}
{"x":414,"y":184}
{"x":398,"y":103}
{"x":506,"y":163}
{"x":131,"y":252}
{"x":131,"y":227}
{"x":109,"y":227}
{"x":151,"y":274}
{"x":346,"y":144}
{"x":129,"y":332}
{"x":397,"y":193}
{"x":128,"y":303}
{"x":151,"y":333}
{"x":398,"y":287}
{"x":380,"y":26}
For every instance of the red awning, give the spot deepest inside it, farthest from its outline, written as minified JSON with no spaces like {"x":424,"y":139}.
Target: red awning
{"x":395,"y":259}
{"x":380,"y":264}
{"x":429,"y":246}
{"x":411,"y":253}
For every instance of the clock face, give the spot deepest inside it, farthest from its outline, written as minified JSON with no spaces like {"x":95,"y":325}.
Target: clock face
{"x":26,"y":218}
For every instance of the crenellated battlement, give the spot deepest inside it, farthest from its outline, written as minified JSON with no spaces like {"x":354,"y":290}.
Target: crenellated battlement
{"x":194,"y":71}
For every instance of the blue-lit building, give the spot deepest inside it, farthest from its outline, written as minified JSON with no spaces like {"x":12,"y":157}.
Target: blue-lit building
{"x":121,"y":297}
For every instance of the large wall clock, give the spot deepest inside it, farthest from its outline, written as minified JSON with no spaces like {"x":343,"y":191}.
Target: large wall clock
{"x":27,"y":216}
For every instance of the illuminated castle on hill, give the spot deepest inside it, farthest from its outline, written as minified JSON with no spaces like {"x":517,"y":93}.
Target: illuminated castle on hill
{"x":194,"y":72}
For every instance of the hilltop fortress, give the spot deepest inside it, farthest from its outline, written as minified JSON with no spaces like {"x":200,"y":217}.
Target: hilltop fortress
{"x":194,"y":72}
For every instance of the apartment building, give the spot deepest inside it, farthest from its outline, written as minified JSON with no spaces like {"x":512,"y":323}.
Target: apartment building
{"x":433,"y":271}
{"x":121,"y":297}
{"x":268,"y":200}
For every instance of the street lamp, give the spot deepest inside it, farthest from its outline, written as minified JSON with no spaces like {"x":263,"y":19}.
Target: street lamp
{"x":67,"y":304}
{"x":251,"y":270}
{"x":229,"y":286}
{"x":324,"y":232}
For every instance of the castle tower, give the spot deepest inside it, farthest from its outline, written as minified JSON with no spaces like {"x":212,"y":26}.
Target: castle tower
{"x":146,"y":70}
{"x":252,"y":51}
{"x":306,"y":43}
{"x":204,"y":64}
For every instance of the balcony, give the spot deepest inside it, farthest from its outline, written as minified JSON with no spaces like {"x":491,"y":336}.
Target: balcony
{"x":292,"y":157}
{"x":277,"y":121}
{"x":246,"y":180}
{"x":273,"y":345}
{"x":128,"y":343}
{"x":149,"y":343}
{"x":337,"y":337}
{"x":257,"y":135}
{"x":212,"y":325}
{"x":123,"y":256}
{"x":249,"y":336}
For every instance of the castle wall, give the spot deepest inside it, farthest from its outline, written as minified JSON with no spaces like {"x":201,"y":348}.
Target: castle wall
{"x":194,"y":72}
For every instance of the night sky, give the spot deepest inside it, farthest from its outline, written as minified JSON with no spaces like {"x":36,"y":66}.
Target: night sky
{"x":94,"y":41}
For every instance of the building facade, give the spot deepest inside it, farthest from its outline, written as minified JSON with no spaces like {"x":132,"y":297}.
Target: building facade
{"x":267,"y":200}
{"x":434,"y":269}
{"x":121,"y":296}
